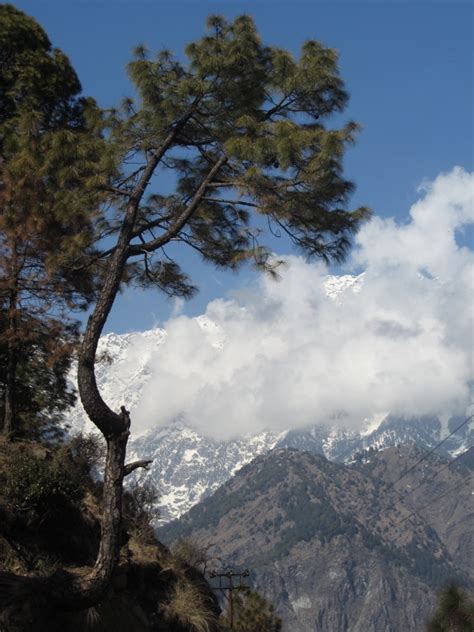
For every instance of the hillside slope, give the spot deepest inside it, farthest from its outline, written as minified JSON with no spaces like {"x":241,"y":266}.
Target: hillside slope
{"x":337,"y":547}
{"x":50,"y":527}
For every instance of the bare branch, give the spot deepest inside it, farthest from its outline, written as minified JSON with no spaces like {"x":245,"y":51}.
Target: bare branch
{"x":118,"y":191}
{"x":131,"y":467}
{"x":227,"y":183}
{"x":157,"y":223}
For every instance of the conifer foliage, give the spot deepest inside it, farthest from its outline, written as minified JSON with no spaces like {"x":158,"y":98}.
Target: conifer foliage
{"x":51,"y":151}
{"x":455,"y":612}
{"x":241,"y":127}
{"x":252,"y":613}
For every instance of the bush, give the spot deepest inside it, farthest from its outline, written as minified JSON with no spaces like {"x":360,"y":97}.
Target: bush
{"x":139,"y":510}
{"x":41,"y":485}
{"x":191,"y":553}
{"x":253,"y":613}
{"x":455,"y":612}
{"x":88,"y":451}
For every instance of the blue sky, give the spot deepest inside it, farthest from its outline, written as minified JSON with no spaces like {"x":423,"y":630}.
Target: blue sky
{"x":407,"y":66}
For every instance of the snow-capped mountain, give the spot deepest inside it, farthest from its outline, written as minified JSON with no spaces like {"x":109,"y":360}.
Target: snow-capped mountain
{"x":188,"y":466}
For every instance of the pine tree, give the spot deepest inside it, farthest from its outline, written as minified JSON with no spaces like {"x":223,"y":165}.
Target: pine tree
{"x":241,"y":127}
{"x":50,"y":153}
{"x":455,"y":612}
{"x":252,"y":613}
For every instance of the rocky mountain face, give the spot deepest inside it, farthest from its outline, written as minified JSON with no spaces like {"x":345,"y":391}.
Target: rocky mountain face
{"x":188,"y":466}
{"x":343,"y":547}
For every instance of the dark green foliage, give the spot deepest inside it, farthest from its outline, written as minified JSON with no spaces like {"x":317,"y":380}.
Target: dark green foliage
{"x":53,"y":169}
{"x":311,"y":515}
{"x":40,"y":485}
{"x":32,"y":74}
{"x":253,"y":613}
{"x":44,"y":359}
{"x":454,"y":613}
{"x":88,"y":451}
{"x":261,"y":112}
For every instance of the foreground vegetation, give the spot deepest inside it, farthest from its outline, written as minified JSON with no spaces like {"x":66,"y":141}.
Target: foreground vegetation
{"x":50,"y":523}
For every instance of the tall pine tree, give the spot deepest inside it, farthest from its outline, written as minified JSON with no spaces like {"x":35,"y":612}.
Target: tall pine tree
{"x":242,"y":129}
{"x":51,"y":153}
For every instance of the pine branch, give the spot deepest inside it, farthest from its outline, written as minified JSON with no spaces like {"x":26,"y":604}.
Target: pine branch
{"x":231,"y":202}
{"x":183,"y":218}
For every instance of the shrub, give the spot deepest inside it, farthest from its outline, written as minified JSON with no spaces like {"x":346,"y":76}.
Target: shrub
{"x":88,"y":451}
{"x":139,"y":510}
{"x":192,"y":553}
{"x":253,"y":613}
{"x":40,"y":484}
{"x":455,"y":611}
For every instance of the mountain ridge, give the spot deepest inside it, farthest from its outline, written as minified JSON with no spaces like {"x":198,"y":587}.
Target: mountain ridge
{"x":336,"y":546}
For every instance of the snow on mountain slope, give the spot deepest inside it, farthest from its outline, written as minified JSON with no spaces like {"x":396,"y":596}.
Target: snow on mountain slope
{"x":188,"y":466}
{"x":121,"y":372}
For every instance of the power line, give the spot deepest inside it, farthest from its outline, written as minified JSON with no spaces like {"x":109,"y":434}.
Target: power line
{"x":229,"y":574}
{"x":449,"y":491}
{"x":425,"y":456}
{"x":445,"y":466}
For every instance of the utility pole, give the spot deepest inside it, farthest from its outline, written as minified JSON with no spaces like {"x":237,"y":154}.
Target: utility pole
{"x":227,"y":588}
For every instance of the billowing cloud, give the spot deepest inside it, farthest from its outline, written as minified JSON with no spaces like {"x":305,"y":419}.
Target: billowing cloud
{"x":315,"y":349}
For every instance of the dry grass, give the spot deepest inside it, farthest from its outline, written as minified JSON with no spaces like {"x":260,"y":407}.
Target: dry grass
{"x":188,"y":607}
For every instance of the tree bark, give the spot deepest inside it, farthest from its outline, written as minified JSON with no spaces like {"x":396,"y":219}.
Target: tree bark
{"x":10,"y":403}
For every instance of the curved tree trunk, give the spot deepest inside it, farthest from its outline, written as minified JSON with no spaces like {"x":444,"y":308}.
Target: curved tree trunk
{"x":66,"y":590}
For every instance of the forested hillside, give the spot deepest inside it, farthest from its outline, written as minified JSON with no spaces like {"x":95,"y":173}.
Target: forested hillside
{"x":341,"y":547}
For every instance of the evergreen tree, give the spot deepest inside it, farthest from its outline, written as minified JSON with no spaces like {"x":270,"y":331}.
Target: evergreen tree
{"x":50,"y":153}
{"x":252,"y":613}
{"x":43,"y":361}
{"x":455,"y":612}
{"x":241,"y":127}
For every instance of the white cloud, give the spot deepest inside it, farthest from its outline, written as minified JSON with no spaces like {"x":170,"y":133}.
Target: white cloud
{"x":284,"y":354}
